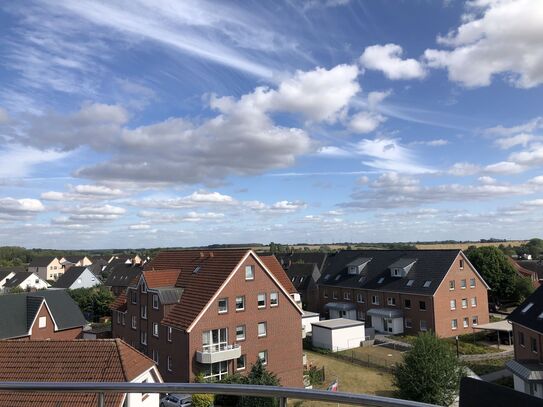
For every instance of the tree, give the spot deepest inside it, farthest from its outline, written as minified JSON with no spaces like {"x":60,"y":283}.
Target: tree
{"x":496,"y":270}
{"x":523,"y":288}
{"x":202,"y":400}
{"x":535,"y":247}
{"x":430,"y":372}
{"x":94,"y":302}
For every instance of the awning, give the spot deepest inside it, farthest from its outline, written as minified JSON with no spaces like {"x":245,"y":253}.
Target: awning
{"x":340,"y":306}
{"x":503,"y":326}
{"x":385,"y":312}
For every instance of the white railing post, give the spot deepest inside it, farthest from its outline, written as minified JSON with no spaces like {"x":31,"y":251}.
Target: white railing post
{"x":101,"y":400}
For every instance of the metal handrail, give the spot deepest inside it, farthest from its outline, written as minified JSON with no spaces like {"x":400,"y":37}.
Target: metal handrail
{"x":281,"y":393}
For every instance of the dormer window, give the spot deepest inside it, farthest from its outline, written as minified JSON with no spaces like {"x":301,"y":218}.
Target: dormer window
{"x":527,"y":307}
{"x":396,"y":272}
{"x":401,"y":267}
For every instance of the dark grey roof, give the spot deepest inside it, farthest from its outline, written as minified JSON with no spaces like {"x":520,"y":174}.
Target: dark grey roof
{"x":529,"y":370}
{"x":4,"y":273}
{"x":19,"y":310}
{"x":532,"y":265}
{"x":300,"y":274}
{"x":17,"y":279}
{"x":12,"y":269}
{"x":73,"y":259}
{"x":121,"y":274}
{"x":530,"y":316}
{"x":340,"y":306}
{"x":96,"y":269}
{"x":288,"y":259}
{"x":385,"y":312}
{"x":69,"y":277}
{"x":431,"y":265}
{"x":169,"y":295}
{"x":359,"y":261}
{"x":41,"y":261}
{"x":402,"y":262}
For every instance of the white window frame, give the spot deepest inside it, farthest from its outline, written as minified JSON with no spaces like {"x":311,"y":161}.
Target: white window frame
{"x":265,"y":358}
{"x":156,"y":329}
{"x":463,"y":284}
{"x":134,"y":322}
{"x":452,"y":285}
{"x":473,"y":302}
{"x":347,"y":295}
{"x":454,"y":324}
{"x":155,"y":356}
{"x":334,"y":295}
{"x":375,"y":300}
{"x":244,"y":358}
{"x":239,"y":337}
{"x":42,"y":322}
{"x":391,"y":301}
{"x":465,"y":322}
{"x":453,"y":305}
{"x":425,"y":328}
{"x":474,"y":320}
{"x":143,"y":337}
{"x":170,"y":332}
{"x":118,"y":317}
{"x":249,"y":273}
{"x":143,"y":310}
{"x":265,"y":332}
{"x":225,"y":310}
{"x":405,"y":305}
{"x":274,"y":299}
{"x":408,"y":323}
{"x":360,"y":298}
{"x":242,"y":297}
{"x":258,"y":300}
{"x":170,"y":364}
{"x":123,"y":319}
{"x":472,"y":280}
{"x":464,"y":303}
{"x":155,"y":301}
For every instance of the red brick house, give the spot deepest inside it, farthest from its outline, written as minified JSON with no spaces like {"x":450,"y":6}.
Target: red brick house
{"x":213,"y":312}
{"x":49,"y":314}
{"x":405,"y":291}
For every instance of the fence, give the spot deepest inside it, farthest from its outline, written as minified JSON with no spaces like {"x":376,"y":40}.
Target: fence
{"x":364,"y":360}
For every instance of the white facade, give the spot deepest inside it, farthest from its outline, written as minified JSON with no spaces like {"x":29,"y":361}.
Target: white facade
{"x":148,"y":399}
{"x":534,"y":389}
{"x":387,"y":325}
{"x":86,"y":279}
{"x":338,"y":334}
{"x":309,"y":318}
{"x":350,"y":314}
{"x":32,"y":283}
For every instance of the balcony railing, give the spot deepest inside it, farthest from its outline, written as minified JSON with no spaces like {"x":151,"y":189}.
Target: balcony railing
{"x":280,"y":393}
{"x":218,"y":353}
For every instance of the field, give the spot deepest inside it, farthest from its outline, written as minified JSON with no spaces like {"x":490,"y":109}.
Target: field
{"x":351,"y":378}
{"x":464,"y":246}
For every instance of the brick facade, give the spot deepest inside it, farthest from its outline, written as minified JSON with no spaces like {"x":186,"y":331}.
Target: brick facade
{"x":48,"y":332}
{"x":524,"y":340}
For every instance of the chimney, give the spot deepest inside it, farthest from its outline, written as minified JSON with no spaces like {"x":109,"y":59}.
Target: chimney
{"x":201,"y":255}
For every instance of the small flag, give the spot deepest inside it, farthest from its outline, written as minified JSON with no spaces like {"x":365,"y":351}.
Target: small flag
{"x":333,"y":386}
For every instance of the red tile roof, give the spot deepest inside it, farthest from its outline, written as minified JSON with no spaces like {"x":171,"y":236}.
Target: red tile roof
{"x":105,"y":360}
{"x":161,"y":278}
{"x":120,"y":302}
{"x":202,"y":274}
{"x":275,"y":267}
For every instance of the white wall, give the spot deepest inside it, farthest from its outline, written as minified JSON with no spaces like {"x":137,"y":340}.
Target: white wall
{"x":338,"y":339}
{"x":30,"y":282}
{"x":338,"y":314}
{"x":86,"y":280}
{"x":307,"y":321}
{"x":397,"y":325}
{"x":152,"y":400}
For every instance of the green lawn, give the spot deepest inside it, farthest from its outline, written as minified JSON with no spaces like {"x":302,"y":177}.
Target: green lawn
{"x":351,"y":378}
{"x":483,"y":367}
{"x":466,"y":345}
{"x":376,"y":355}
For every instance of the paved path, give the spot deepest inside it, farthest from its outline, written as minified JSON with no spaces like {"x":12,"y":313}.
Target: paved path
{"x":493,"y":376}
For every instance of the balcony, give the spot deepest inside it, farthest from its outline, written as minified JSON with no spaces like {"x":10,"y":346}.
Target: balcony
{"x":218,"y":353}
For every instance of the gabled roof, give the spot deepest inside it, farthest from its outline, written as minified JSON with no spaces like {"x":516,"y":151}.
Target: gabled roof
{"x":69,"y":277}
{"x":529,"y":316}
{"x":17,"y":279}
{"x":73,"y":259}
{"x":120,"y":302}
{"x":287,"y":259}
{"x":161,"y":278}
{"x":121,"y":274}
{"x":532,"y":265}
{"x":105,"y":360}
{"x":273,"y":265}
{"x":402,"y":262}
{"x":300,"y":274}
{"x":431,"y":265}
{"x":42,"y":261}
{"x":19,"y":310}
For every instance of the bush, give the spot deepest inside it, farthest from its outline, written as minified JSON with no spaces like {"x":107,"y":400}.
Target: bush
{"x":202,"y":400}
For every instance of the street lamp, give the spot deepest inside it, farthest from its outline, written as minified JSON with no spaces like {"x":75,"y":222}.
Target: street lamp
{"x":457,"y":347}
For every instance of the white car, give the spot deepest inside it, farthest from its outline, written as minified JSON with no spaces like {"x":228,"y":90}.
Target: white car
{"x":176,"y":400}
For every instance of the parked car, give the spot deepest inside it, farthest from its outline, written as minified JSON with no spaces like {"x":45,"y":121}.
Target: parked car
{"x":176,"y":400}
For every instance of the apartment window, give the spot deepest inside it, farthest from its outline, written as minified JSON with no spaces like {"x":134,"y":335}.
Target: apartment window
{"x":325,"y":293}
{"x":134,"y":297}
{"x":155,"y":301}
{"x":216,"y":370}
{"x":375,"y":300}
{"x":391,"y":301}
{"x":155,"y":329}
{"x":170,"y":330}
{"x":274,"y":299}
{"x":334,"y":295}
{"x":423,"y":325}
{"x":454,"y":324}
{"x":408,"y":323}
{"x":214,"y":340}
{"x":240,"y":333}
{"x":143,"y":337}
{"x":472,"y":283}
{"x":249,"y":272}
{"x":474,"y":302}
{"x":422,"y":305}
{"x":37,"y":280}
{"x":144,"y":311}
{"x":143,"y":288}
{"x":118,"y":317}
{"x":155,"y":356}
{"x":474,"y":321}
{"x":466,"y":322}
{"x":359,"y":298}
{"x":123,"y":321}
{"x":452,"y":284}
{"x":533,"y":345}
{"x":42,"y":322}
{"x":263,"y":356}
{"x":453,"y":304}
{"x":262,"y":329}
{"x":463,"y":284}
{"x":461,"y":264}
{"x":407,"y":304}
{"x":134,"y":322}
{"x":261,"y":300}
{"x":170,"y":364}
{"x":361,"y":316}
{"x":346,"y":295}
{"x":240,"y":303}
{"x":521,"y":338}
{"x":464,"y":302}
{"x":240,"y":362}
{"x":223,"y":305}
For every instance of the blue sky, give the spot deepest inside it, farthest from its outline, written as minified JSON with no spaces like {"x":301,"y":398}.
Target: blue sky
{"x":166,"y":123}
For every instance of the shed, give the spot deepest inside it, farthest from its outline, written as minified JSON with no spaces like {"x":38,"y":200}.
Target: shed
{"x":338,"y":334}
{"x":308,"y":318}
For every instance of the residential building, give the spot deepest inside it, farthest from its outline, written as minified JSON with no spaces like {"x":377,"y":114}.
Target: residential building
{"x":405,"y":291}
{"x":534,"y":266}
{"x":77,"y":261}
{"x":48,"y":314}
{"x":304,"y":277}
{"x":213,"y":312}
{"x":76,"y":361}
{"x":77,"y":277}
{"x":23,"y":280}
{"x":48,"y":268}
{"x":120,"y":274}
{"x":527,"y":366}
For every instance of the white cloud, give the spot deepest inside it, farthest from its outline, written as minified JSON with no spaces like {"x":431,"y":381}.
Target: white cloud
{"x":388,"y":59}
{"x":288,"y":206}
{"x":82,"y":193}
{"x":365,"y":122}
{"x":487,"y":180}
{"x":520,"y":139}
{"x":26,"y":205}
{"x":22,"y":160}
{"x":431,"y":143}
{"x":139,"y":226}
{"x":462,"y":169}
{"x":196,"y":199}
{"x":375,"y":98}
{"x":333,"y":151}
{"x":496,"y":37}
{"x":4,"y":117}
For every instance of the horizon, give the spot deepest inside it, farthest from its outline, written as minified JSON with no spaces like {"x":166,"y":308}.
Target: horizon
{"x":145,"y":124}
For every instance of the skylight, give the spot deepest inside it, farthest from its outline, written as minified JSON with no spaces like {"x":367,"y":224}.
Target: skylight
{"x":197,"y":269}
{"x":427,"y":283}
{"x":326,"y":277}
{"x":410,"y":283}
{"x":338,"y":277}
{"x":527,"y":307}
{"x":540,"y":316}
{"x":380,"y":281}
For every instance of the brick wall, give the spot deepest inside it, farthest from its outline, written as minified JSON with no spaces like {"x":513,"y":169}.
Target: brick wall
{"x":524,"y":352}
{"x":48,"y":332}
